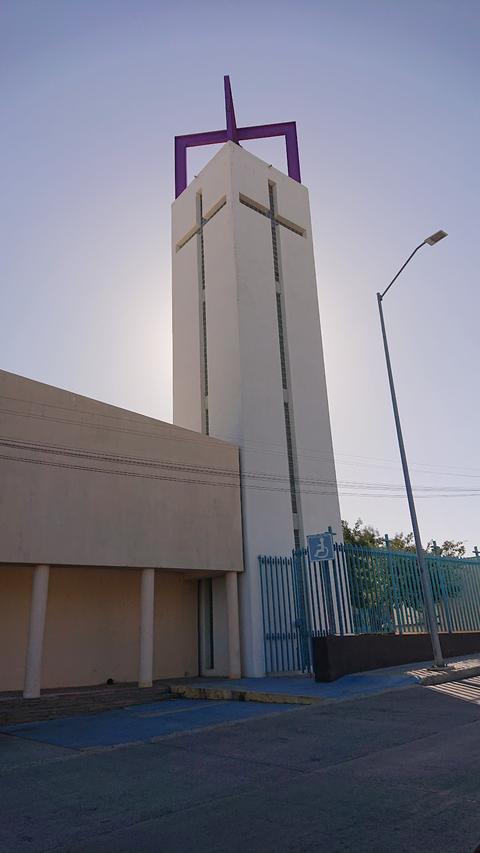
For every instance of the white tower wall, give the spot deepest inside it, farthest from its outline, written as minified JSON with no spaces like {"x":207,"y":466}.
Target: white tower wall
{"x":247,"y":387}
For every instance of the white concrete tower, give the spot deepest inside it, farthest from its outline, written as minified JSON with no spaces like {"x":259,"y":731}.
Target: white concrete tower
{"x":247,"y":356}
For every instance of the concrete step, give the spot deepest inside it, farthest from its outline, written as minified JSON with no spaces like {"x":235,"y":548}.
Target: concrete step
{"x":50,"y":706}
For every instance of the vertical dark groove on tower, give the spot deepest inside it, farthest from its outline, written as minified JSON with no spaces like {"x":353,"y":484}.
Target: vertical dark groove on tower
{"x":203,"y":320}
{"x":282,"y":344}
{"x":283,"y":363}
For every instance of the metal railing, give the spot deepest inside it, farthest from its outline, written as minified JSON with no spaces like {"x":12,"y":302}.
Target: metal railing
{"x":362,"y":590}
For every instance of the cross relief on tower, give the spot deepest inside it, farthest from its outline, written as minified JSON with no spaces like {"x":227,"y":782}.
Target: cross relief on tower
{"x":201,"y":220}
{"x":248,"y":202}
{"x":197,"y":230}
{"x":271,"y":213}
{"x":276,"y":219}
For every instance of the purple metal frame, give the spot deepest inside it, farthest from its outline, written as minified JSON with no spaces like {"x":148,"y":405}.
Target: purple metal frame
{"x":288,"y":129}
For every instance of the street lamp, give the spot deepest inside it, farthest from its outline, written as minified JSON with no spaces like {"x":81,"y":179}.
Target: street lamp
{"x":427,"y":590}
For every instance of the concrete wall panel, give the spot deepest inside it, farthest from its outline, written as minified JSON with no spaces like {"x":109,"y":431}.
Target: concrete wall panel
{"x":176,"y":627}
{"x":15,"y":596}
{"x":84,"y":483}
{"x":92,"y":626}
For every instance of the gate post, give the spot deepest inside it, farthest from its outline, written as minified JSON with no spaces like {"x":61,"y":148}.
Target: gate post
{"x":397,"y":621}
{"x":298,"y":562}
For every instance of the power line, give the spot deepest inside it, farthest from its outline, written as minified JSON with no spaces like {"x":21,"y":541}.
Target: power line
{"x":198,"y":482}
{"x":109,"y":457}
{"x":254,"y":446}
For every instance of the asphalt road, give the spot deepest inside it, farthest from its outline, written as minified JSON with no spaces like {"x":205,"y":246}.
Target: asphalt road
{"x":394,"y":772}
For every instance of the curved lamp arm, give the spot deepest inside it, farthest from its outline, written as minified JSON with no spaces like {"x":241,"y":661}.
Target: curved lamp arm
{"x":434,"y":238}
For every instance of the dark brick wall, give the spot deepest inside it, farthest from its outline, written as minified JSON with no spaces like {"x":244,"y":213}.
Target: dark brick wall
{"x":337,"y":656}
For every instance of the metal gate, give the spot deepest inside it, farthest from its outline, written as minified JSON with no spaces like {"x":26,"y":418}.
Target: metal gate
{"x":284,"y":624}
{"x":362,"y":590}
{"x":300,"y":599}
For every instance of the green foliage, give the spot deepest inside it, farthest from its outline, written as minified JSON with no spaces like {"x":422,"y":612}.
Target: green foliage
{"x":368,"y":537}
{"x":448,"y":549}
{"x":402,"y":542}
{"x":379,"y":583}
{"x":361,"y":534}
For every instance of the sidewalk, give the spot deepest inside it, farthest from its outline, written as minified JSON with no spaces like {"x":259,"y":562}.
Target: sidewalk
{"x":303,"y":690}
{"x":283,"y":689}
{"x":457,"y":669}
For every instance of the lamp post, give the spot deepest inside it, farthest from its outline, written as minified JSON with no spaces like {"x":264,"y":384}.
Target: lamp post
{"x":427,"y":589}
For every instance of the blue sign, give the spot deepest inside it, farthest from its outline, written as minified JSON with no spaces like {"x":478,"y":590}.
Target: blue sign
{"x":320,"y":547}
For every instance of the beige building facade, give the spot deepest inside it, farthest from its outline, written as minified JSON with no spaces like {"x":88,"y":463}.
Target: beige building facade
{"x":120,"y":544}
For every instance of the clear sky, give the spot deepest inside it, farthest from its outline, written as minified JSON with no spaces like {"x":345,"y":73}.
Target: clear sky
{"x":386,"y":99}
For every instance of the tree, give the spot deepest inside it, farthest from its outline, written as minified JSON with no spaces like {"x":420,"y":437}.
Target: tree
{"x":448,"y":549}
{"x":402,"y":542}
{"x":380,"y":583}
{"x":368,"y":537}
{"x":361,"y":534}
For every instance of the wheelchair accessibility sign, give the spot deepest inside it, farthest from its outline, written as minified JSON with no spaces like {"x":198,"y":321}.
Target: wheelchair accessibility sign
{"x":320,"y":547}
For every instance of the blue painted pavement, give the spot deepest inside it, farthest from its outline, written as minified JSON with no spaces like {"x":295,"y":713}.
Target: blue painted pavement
{"x":140,"y":723}
{"x":349,"y":686}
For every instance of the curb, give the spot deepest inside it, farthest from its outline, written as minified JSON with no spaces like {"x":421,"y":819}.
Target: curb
{"x":197,"y":692}
{"x":55,"y":706}
{"x":445,"y":677}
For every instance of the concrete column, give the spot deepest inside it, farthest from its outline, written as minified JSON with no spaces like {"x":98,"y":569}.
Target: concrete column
{"x":147,"y":602}
{"x":233,"y":626}
{"x":38,"y":610}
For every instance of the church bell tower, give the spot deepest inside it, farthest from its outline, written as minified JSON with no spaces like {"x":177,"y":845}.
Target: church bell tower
{"x":248,"y":363}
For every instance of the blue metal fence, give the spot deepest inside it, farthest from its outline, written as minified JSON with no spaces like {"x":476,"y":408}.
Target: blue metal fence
{"x":362,"y":590}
